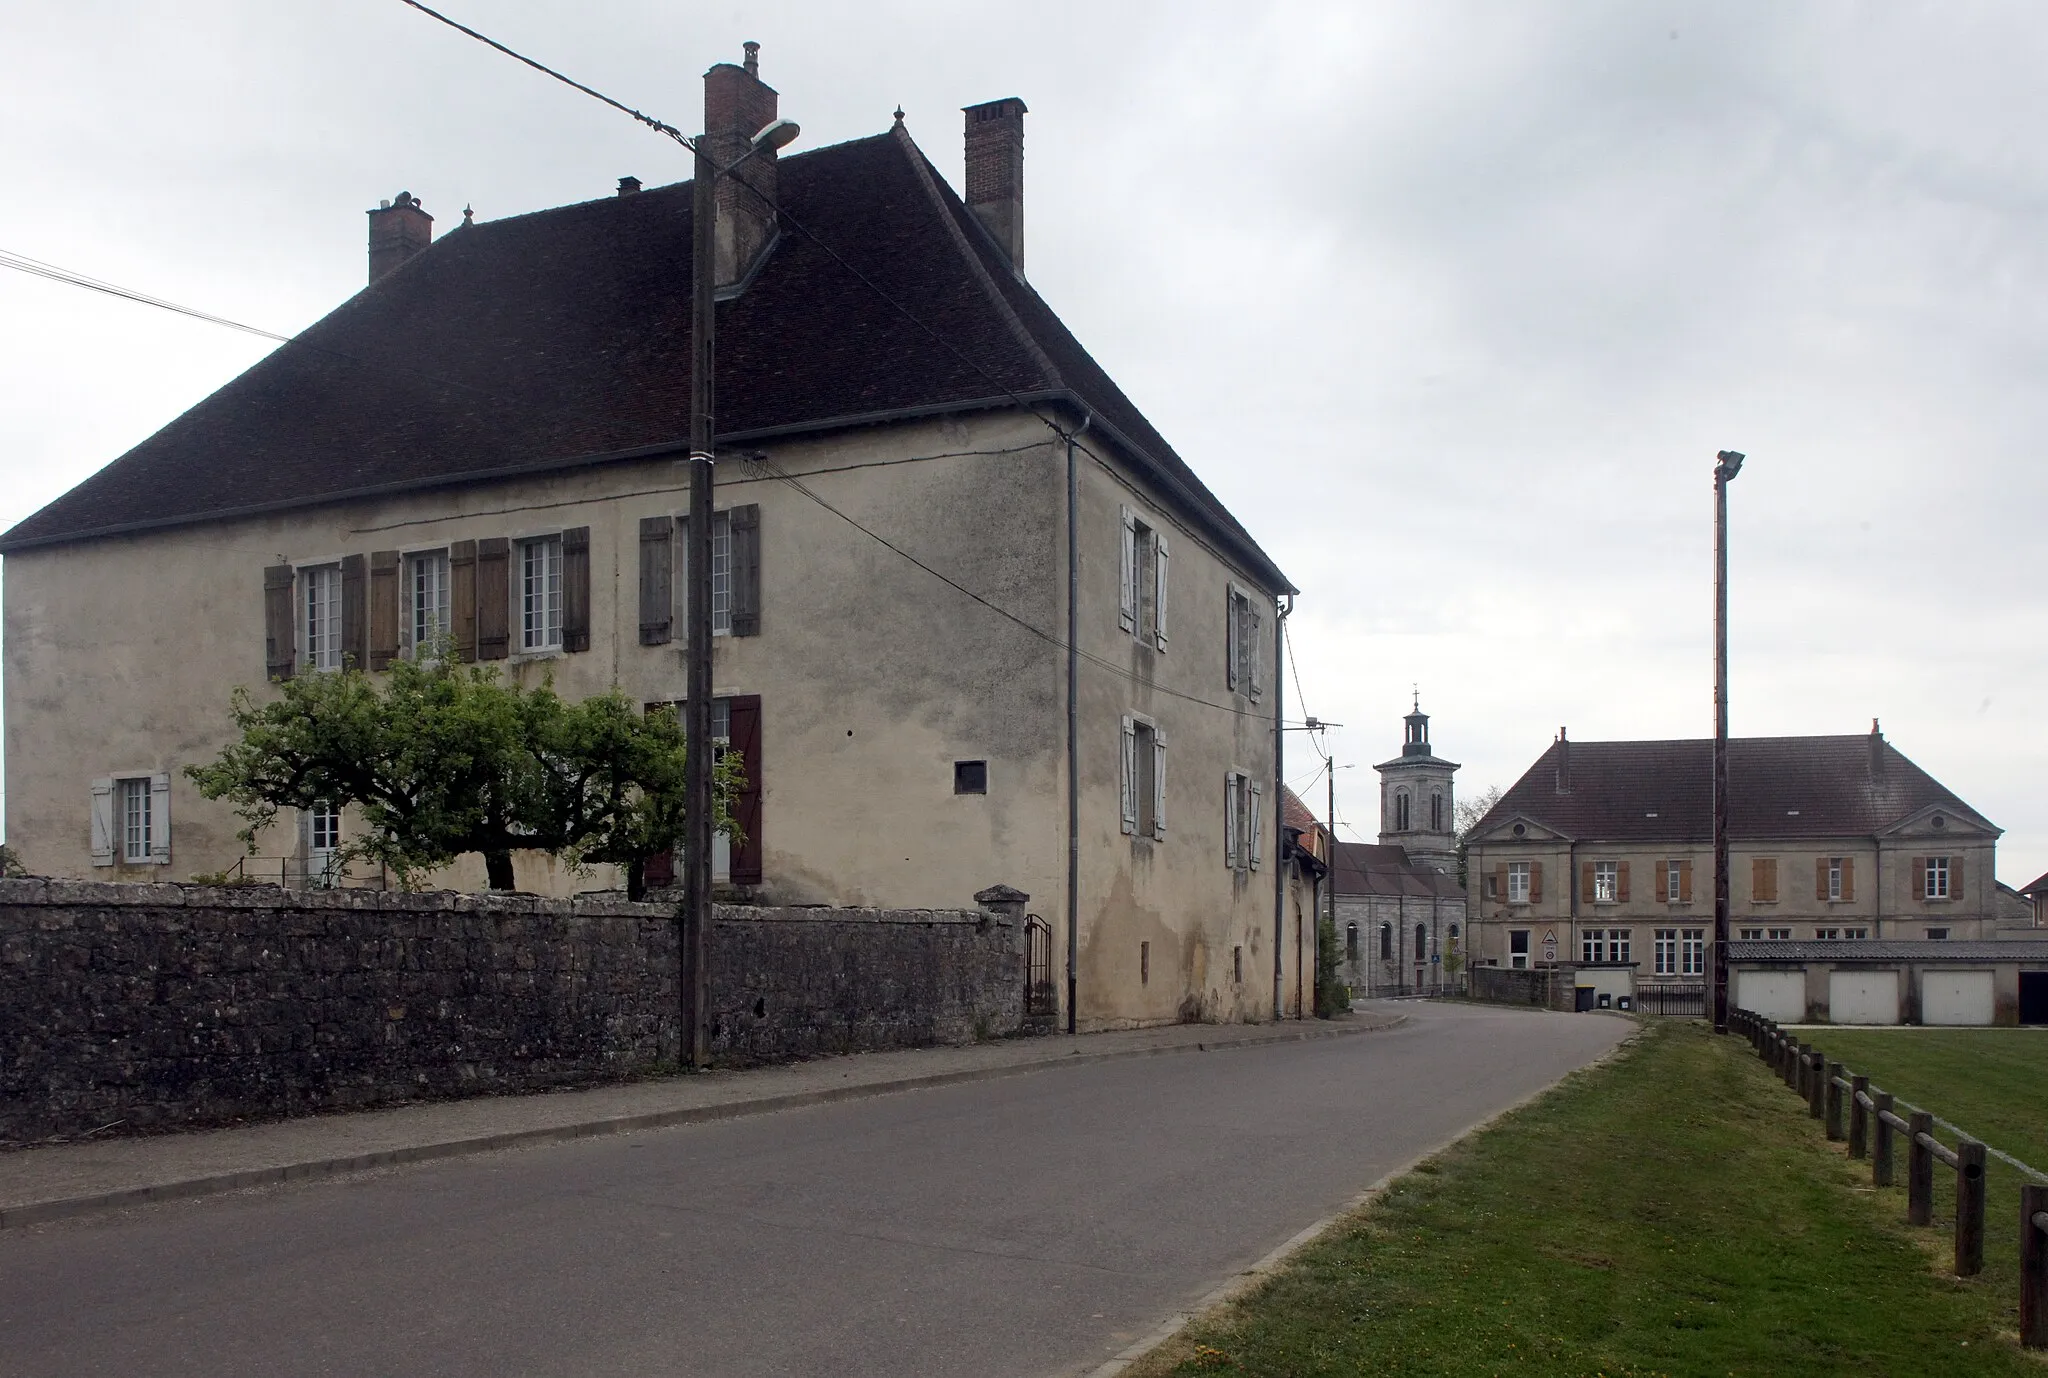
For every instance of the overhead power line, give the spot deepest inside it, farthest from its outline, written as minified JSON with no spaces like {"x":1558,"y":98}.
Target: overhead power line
{"x":35,"y":267}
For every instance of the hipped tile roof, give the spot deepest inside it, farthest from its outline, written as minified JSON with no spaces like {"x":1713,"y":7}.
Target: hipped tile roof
{"x":1778,"y":787}
{"x":563,"y":337}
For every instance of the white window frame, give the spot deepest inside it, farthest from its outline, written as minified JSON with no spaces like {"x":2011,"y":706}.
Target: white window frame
{"x":133,"y":801}
{"x":428,"y":605}
{"x":1674,"y":881}
{"x":1937,"y":878}
{"x":1243,"y":822}
{"x":1692,"y":951}
{"x":1519,"y":961}
{"x":1778,"y":935}
{"x":1245,"y":663}
{"x":1834,"y":878}
{"x":1142,"y":775}
{"x":1750,"y":935}
{"x":1855,"y":933}
{"x":1141,"y":602}
{"x":323,"y":840}
{"x":1519,"y":873}
{"x":1666,"y":952}
{"x":1606,"y":881}
{"x":319,"y":615}
{"x":538,"y":593}
{"x":721,"y":573}
{"x":131,"y":819}
{"x":1621,"y":944}
{"x":1591,"y":941}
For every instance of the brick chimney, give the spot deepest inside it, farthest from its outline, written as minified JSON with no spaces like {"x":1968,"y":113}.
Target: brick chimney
{"x":1564,"y":763}
{"x":399,"y":229}
{"x":737,"y":106}
{"x":995,"y":172}
{"x":1876,"y":751}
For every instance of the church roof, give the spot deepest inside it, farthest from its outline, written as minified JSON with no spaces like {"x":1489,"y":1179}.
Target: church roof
{"x":1365,"y":868}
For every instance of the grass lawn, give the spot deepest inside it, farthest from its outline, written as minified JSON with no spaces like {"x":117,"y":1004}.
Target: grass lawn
{"x":1672,"y":1211}
{"x":1991,"y":1082}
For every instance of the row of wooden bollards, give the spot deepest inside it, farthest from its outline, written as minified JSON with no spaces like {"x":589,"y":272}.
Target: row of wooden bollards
{"x":1852,"y":1109}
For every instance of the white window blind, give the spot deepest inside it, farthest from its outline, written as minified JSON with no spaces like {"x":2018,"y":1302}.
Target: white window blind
{"x":321,"y":615}
{"x":540,"y":594}
{"x":427,"y":592}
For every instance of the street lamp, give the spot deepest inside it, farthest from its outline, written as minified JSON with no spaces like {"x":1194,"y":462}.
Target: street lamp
{"x":696,"y":916}
{"x":1729,"y":465}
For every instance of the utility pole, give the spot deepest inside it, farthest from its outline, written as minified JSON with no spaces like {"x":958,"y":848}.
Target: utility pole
{"x":696,"y":915}
{"x":1729,"y":466}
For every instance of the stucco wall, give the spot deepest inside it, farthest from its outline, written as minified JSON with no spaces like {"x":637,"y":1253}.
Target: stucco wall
{"x":158,"y":1006}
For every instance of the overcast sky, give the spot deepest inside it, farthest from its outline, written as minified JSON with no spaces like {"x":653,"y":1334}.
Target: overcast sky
{"x":1452,"y":304}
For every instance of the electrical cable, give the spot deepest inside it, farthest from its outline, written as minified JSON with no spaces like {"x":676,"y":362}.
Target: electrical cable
{"x":1314,"y":738}
{"x":37,"y":268}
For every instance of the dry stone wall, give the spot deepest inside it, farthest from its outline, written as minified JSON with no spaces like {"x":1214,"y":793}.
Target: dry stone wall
{"x":129,"y":1008}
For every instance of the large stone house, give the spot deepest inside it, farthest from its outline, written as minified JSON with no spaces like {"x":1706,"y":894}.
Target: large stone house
{"x":976,"y":621}
{"x":1601,"y":856}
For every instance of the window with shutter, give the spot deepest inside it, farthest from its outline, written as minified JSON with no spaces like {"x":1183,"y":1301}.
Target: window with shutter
{"x":1231,"y":784}
{"x":1129,"y":775}
{"x":540,"y":594}
{"x":575,"y":633}
{"x":428,"y":602}
{"x":493,"y":598}
{"x":1258,"y":834}
{"x":1158,"y":782}
{"x":1255,"y":660}
{"x":657,"y":580}
{"x":320,"y":615}
{"x":1848,"y":877}
{"x":102,"y":815}
{"x":1685,"y":882}
{"x":1621,"y":883}
{"x":160,"y":819}
{"x":280,"y":621}
{"x":1535,"y":882}
{"x":1127,"y":568}
{"x":1233,"y":627}
{"x":1917,"y":869}
{"x":383,"y":635}
{"x":745,"y":526}
{"x":462,"y":597}
{"x":136,"y":841}
{"x":1159,"y":586}
{"x":355,"y":611}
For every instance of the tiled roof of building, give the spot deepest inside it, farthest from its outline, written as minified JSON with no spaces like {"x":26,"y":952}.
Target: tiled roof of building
{"x":1365,"y":868}
{"x":1890,"y":950}
{"x":1295,"y":814}
{"x":2037,"y":886}
{"x":562,"y":337}
{"x":1778,"y":787}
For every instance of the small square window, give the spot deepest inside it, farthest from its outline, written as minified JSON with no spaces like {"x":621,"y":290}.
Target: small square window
{"x":1937,"y":934}
{"x":970,"y":777}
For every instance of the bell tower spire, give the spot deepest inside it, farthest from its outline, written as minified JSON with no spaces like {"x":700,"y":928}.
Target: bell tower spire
{"x":1417,"y":804}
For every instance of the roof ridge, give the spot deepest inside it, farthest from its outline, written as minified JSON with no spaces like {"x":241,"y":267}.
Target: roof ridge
{"x":927,"y":177}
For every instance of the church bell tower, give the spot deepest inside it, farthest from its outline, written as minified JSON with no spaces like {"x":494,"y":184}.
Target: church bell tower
{"x":1417,"y":809}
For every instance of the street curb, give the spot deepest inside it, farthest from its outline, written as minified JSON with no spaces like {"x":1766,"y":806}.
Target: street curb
{"x":63,"y":1208}
{"x":1240,"y":1283}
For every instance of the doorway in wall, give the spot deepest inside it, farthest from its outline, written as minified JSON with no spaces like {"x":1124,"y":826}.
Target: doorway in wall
{"x":2034,"y":997}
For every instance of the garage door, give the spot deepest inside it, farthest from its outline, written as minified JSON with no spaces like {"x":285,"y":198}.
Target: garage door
{"x":1955,"y":997}
{"x":1779,"y":995}
{"x":1863,"y":997}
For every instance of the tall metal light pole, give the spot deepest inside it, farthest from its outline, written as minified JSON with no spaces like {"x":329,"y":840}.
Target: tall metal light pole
{"x":1729,"y":465}
{"x":696,"y":915}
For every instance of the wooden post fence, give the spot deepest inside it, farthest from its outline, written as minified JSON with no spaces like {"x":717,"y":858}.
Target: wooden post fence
{"x":1969,"y":1167}
{"x":1881,"y":1157}
{"x":1859,"y":1116}
{"x":1816,"y":1083}
{"x":2034,"y":1267}
{"x":1920,"y":1169}
{"x":1835,"y":1086}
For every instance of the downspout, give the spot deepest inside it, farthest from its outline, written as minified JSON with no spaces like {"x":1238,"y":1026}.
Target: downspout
{"x":1073,"y":721}
{"x":1279,"y":806}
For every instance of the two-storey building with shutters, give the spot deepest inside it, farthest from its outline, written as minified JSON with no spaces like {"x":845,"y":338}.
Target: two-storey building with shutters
{"x":1602,"y":854}
{"x":975,"y":620}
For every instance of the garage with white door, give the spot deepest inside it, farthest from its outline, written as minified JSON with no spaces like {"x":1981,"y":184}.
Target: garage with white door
{"x":1863,"y":997}
{"x":1956,"y":997}
{"x":1778,"y":995}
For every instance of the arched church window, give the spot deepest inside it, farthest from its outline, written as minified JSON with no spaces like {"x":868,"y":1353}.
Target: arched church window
{"x":1401,"y":812}
{"x":1436,"y":813}
{"x":1421,"y":942}
{"x":1350,"y":942}
{"x":1386,"y":942}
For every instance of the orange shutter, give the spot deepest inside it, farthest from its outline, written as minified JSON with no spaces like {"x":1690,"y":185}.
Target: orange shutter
{"x":1685,"y":882}
{"x":1820,"y":877}
{"x":1919,"y":877}
{"x":1663,"y":882}
{"x":1848,"y":877}
{"x":1535,"y":882}
{"x":1585,"y":882}
{"x":1621,"y":883}
{"x":1955,"y":878}
{"x":1500,"y":881}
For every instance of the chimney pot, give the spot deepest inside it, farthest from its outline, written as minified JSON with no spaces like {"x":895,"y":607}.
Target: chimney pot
{"x":995,"y":172}
{"x":399,"y":229}
{"x":753,"y":52}
{"x":628,"y":185}
{"x":1564,"y":763}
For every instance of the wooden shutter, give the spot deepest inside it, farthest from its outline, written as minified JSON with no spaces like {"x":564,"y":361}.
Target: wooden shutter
{"x":1127,"y":573}
{"x":1233,"y":634}
{"x":1500,"y":881}
{"x":1621,"y":883}
{"x":744,"y":725}
{"x":1585,"y":882}
{"x":493,"y":598}
{"x":1663,"y":882}
{"x":1129,"y":772}
{"x":1919,"y":877}
{"x":160,"y":819}
{"x":280,"y":629}
{"x":1685,"y":882}
{"x":1158,"y":783}
{"x":1848,"y":877}
{"x":1230,"y":788}
{"x":657,"y":580}
{"x":1258,"y":844}
{"x":1763,"y":878}
{"x":1820,"y":877}
{"x":1955,"y":878}
{"x":746,"y":569}
{"x":103,"y":819}
{"x":1159,"y":592}
{"x":1535,"y":882}
{"x":355,"y":623}
{"x":462,"y":598}
{"x":1254,"y":662}
{"x":576,"y":589}
{"x":384,"y":585}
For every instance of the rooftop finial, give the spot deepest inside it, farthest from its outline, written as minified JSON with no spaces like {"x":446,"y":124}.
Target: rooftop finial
{"x":899,"y":114}
{"x":468,"y":216}
{"x":753,"y":63}
{"x":1418,"y":698}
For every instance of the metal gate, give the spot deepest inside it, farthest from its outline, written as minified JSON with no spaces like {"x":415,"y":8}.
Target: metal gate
{"x":1039,"y":996}
{"x":1671,"y":997}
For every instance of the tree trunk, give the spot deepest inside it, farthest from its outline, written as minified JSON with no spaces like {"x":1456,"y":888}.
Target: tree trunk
{"x":498,"y":867}
{"x":636,"y":879}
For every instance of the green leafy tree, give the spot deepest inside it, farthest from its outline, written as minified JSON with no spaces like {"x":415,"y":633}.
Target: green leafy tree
{"x":1469,"y":812}
{"x":439,"y":760}
{"x":1333,"y":997}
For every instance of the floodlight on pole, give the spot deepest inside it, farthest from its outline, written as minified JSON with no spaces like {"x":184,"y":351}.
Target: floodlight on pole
{"x":1728,"y":465}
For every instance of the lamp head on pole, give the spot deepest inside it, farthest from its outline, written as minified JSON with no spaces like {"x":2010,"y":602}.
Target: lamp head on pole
{"x":1730,"y":465}
{"x":782,"y":133}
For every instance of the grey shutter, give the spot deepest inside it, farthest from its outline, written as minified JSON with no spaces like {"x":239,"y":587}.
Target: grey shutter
{"x":493,"y":598}
{"x":384,"y":590}
{"x":355,"y":622}
{"x":1158,"y":783}
{"x":160,"y":819}
{"x":280,"y":629}
{"x":1258,"y":847}
{"x":576,"y":589}
{"x":746,"y":569}
{"x":1130,"y":774}
{"x":1159,"y":592}
{"x":462,"y":597}
{"x":103,"y":821}
{"x":1230,"y":787}
{"x":1127,"y":574}
{"x":1255,"y":664}
{"x":657,"y":580}
{"x":1232,"y":640}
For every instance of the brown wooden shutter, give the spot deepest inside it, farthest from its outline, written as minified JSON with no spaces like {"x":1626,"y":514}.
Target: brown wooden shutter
{"x":280,"y":624}
{"x":355,"y":624}
{"x":576,"y":589}
{"x":746,"y":569}
{"x":1848,"y":877}
{"x":1535,"y":882}
{"x":1664,"y":882}
{"x":493,"y":597}
{"x":1685,"y":882}
{"x":744,"y":723}
{"x":657,"y":580}
{"x":1919,"y":877}
{"x":1820,"y":877}
{"x":1955,"y":878}
{"x":383,"y":608}
{"x":1585,"y":882}
{"x":1500,"y":881}
{"x":1621,"y":883}
{"x":462,"y":598}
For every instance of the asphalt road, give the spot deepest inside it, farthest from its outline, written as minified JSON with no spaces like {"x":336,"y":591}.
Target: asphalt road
{"x":1028,"y":1226}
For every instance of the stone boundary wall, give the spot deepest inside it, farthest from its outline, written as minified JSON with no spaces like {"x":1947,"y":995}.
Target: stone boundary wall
{"x":130,"y":1008}
{"x":1545,"y":987}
